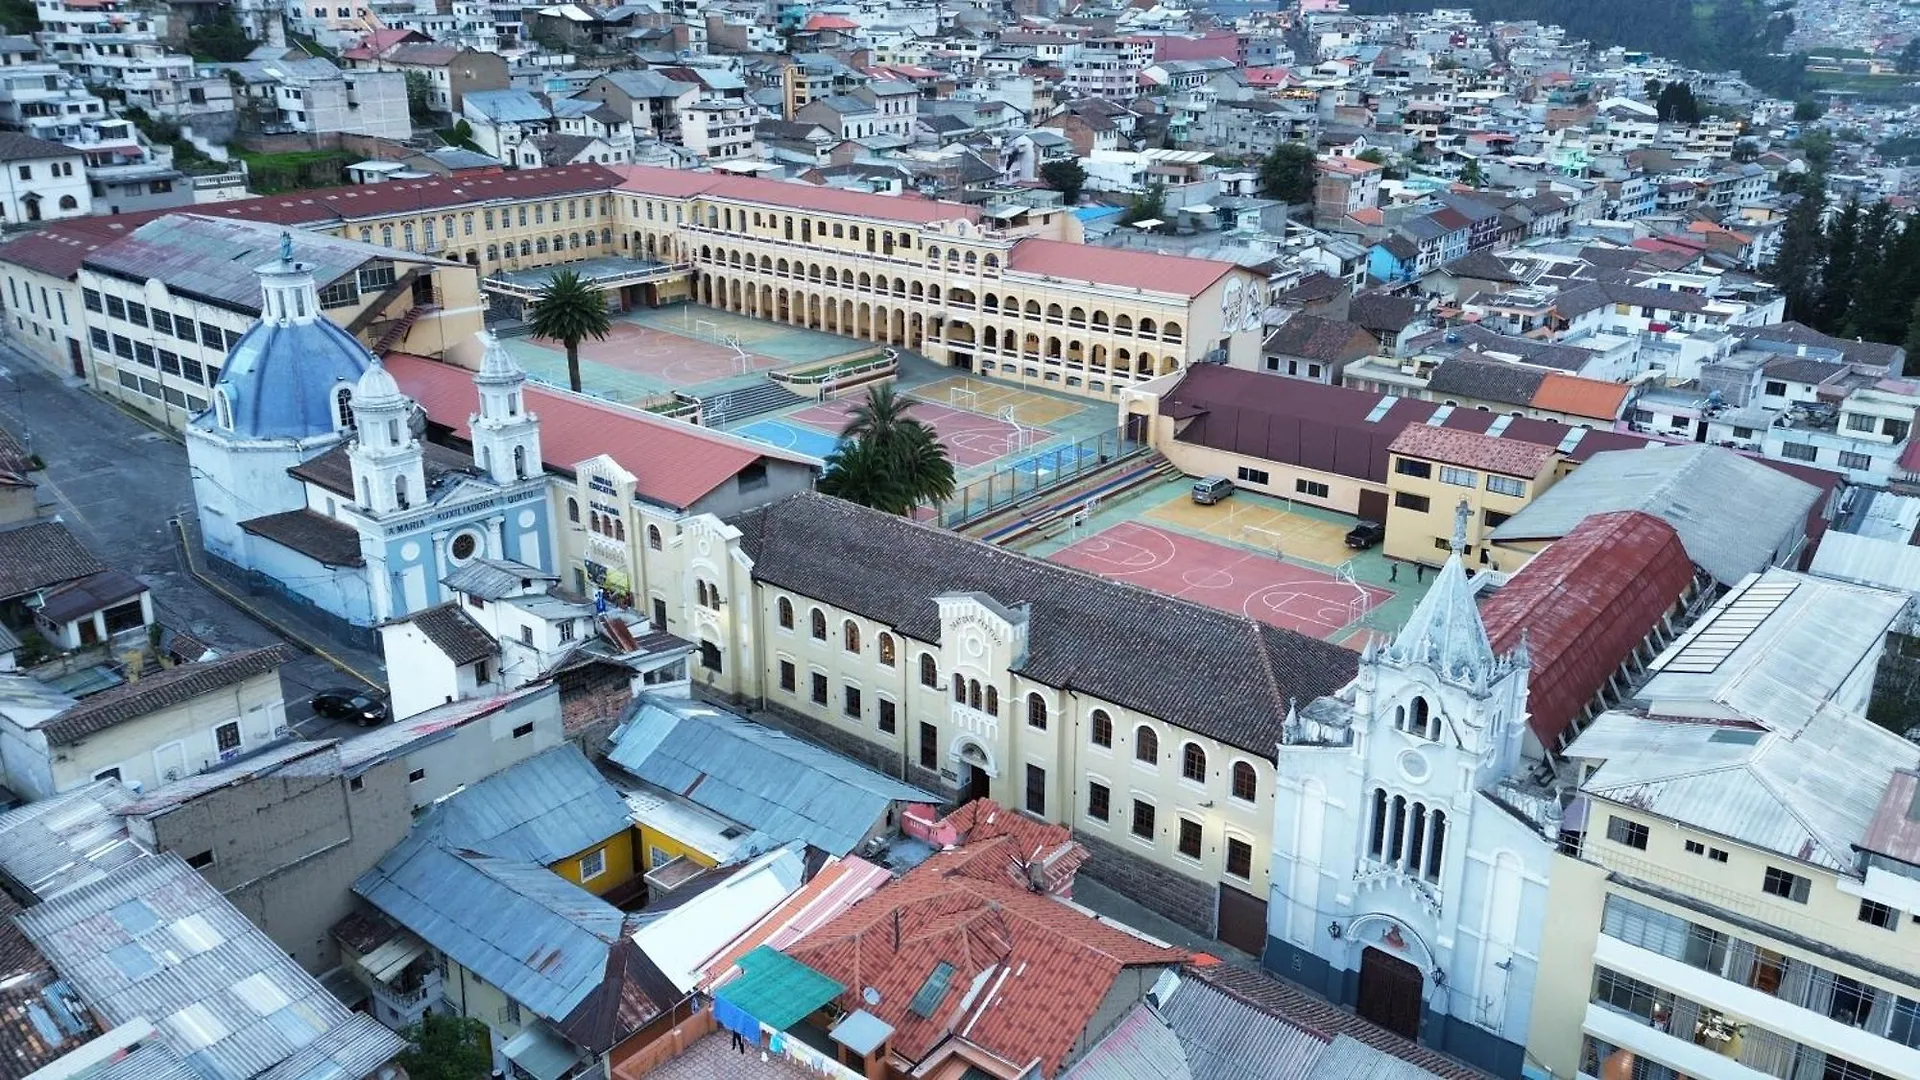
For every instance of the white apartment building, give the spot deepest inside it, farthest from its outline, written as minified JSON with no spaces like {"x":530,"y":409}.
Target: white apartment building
{"x":43,"y":181}
{"x":107,"y":42}
{"x":315,"y":96}
{"x":715,"y":128}
{"x":44,"y":101}
{"x":1107,"y":67}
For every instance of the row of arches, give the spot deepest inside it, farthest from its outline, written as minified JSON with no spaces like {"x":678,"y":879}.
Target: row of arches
{"x":957,"y":262}
{"x":1407,"y":835}
{"x":1010,"y":343}
{"x":798,"y":307}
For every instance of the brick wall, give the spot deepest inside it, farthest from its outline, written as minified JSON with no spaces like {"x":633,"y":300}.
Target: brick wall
{"x":1190,"y":903}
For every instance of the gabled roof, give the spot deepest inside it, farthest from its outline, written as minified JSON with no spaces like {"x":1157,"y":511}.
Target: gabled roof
{"x":1018,"y":974}
{"x":506,"y":106}
{"x":1470,"y":449}
{"x":327,"y":541}
{"x":764,"y":779}
{"x":1317,"y":338}
{"x":1595,"y":399}
{"x":1498,"y":381}
{"x":65,"y":603}
{"x":15,"y":146}
{"x":454,"y":633}
{"x":540,"y":810}
{"x":1106,"y":639}
{"x":39,"y":555}
{"x":52,"y":845}
{"x":163,"y":689}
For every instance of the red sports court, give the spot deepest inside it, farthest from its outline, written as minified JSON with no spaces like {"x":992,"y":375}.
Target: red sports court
{"x":671,"y":358}
{"x":970,"y":438}
{"x":1253,"y":583}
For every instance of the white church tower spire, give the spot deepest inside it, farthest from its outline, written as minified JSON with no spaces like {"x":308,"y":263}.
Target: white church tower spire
{"x":506,"y":437}
{"x":389,"y":468}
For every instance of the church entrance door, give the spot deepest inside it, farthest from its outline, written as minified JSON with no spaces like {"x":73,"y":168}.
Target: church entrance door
{"x":976,"y":785}
{"x":1390,"y":992}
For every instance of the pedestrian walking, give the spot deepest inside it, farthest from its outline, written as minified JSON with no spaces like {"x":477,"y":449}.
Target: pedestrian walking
{"x":1393,"y":572}
{"x":739,"y":1043}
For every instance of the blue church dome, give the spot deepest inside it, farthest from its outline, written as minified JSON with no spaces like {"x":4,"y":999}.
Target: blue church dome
{"x":282,"y":379}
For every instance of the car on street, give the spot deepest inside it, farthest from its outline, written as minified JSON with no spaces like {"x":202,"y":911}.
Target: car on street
{"x":364,"y":707}
{"x":1365,"y":535}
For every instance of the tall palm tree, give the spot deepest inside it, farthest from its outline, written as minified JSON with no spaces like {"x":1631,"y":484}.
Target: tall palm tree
{"x":569,"y":310}
{"x":887,"y":459}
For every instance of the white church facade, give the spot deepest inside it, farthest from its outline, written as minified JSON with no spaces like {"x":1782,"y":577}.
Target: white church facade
{"x":311,"y":470}
{"x":1412,"y":847}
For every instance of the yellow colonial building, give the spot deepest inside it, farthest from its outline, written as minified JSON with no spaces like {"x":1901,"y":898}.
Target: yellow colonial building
{"x":1147,"y":724}
{"x":1432,"y":469}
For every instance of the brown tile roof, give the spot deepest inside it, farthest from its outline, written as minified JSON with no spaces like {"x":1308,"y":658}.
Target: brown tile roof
{"x":67,"y":602}
{"x":1105,"y":639}
{"x":1509,"y":457}
{"x":454,"y":633}
{"x":39,"y":555}
{"x":1573,"y":395}
{"x":323,"y":539}
{"x":150,"y":693}
{"x":1500,"y":381}
{"x":673,"y":463}
{"x":333,"y":470}
{"x":1583,"y":606}
{"x":1317,"y":338}
{"x":1289,"y":1001}
{"x":1048,"y":966}
{"x":1117,"y":267}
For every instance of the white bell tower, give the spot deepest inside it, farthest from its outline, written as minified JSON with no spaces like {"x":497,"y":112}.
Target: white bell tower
{"x":389,"y":470}
{"x":506,"y":437}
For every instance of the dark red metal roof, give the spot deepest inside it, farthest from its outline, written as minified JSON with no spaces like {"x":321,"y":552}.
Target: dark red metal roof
{"x":1583,"y":606}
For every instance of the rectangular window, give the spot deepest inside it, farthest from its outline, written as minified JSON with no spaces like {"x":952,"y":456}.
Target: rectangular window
{"x":1860,"y":422}
{"x":1631,"y":833}
{"x":170,"y":364}
{"x":1239,"y":858}
{"x":1036,"y":790}
{"x":201,"y":861}
{"x":1189,"y":838}
{"x":888,"y":720}
{"x":1099,"y":800}
{"x":1775,"y":388}
{"x":1458,"y":477}
{"x":523,"y":730}
{"x":1143,"y":819}
{"x":143,"y":354}
{"x":91,"y":298}
{"x":136,"y":313}
{"x":1874,"y":913}
{"x":1407,"y":500}
{"x":122,"y":347}
{"x":787,"y":676}
{"x":185,"y":329}
{"x":416,"y":776}
{"x":211,"y":337}
{"x":1506,"y":485}
{"x":1410,"y":467}
{"x":1786,"y":886}
{"x":1795,"y":451}
{"x":1718,"y":855}
{"x":1695,"y":847}
{"x":1252,"y":476}
{"x":98,"y":338}
{"x":1311,"y":488}
{"x":850,"y":703}
{"x":1851,"y":460}
{"x":819,"y":688}
{"x":593,"y":864}
{"x":929,"y":746}
{"x":227,"y":736}
{"x":116,"y":308}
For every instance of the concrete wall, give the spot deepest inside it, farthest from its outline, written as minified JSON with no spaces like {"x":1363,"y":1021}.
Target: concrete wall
{"x":478,"y":750}
{"x":181,"y":737}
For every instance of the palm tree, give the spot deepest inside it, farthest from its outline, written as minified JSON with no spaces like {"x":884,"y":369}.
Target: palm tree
{"x":887,"y":459}
{"x":569,"y":310}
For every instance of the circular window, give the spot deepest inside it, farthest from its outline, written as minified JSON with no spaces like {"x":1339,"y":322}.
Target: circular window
{"x":464,"y":547}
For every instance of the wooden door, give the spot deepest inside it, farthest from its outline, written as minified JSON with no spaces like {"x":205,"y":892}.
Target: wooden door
{"x":1373,"y":505}
{"x":1243,"y":920}
{"x":1390,"y":992}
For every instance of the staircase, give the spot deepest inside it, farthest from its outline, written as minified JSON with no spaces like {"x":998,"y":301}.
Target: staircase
{"x":397,"y":333}
{"x":761,"y":397}
{"x":1044,"y":514}
{"x":372,"y":312}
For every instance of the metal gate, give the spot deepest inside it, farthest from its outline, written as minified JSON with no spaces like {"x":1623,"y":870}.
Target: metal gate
{"x":1243,"y":920}
{"x":1373,"y":506}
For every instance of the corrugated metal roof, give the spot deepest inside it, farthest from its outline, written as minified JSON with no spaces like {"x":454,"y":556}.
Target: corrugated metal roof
{"x":1140,"y":1047}
{"x":491,"y":579}
{"x":72,"y":839}
{"x":1733,"y":514}
{"x":683,"y":940}
{"x":153,"y":939}
{"x":1350,"y":1059}
{"x":542,"y":809}
{"x":759,"y":777}
{"x":1866,"y":561}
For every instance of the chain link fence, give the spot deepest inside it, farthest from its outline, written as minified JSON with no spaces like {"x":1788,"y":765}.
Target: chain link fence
{"x":1034,"y":473}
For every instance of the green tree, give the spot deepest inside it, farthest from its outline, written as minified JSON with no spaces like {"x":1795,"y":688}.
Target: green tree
{"x":1796,"y":264}
{"x":1744,"y":150}
{"x":1676,"y":104}
{"x":570,"y":310}
{"x":1149,"y":205}
{"x":419,"y":97}
{"x":1912,"y":342}
{"x":1840,"y":273}
{"x":445,"y":1047}
{"x":887,"y":459}
{"x":1909,"y":61}
{"x":219,"y":40}
{"x":1066,"y":176}
{"x":1471,"y":173}
{"x":1286,"y":173}
{"x":1807,"y":110}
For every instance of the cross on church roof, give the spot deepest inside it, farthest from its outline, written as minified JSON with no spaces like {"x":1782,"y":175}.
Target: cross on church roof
{"x":1460,"y":515}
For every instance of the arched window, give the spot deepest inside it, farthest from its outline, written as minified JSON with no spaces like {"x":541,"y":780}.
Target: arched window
{"x":1436,"y":846}
{"x":783,"y":612}
{"x":1193,"y":763}
{"x":1246,"y":782}
{"x":400,"y":492}
{"x":366,"y":492}
{"x":817,"y":624}
{"x":973,"y":693}
{"x":653,"y":537}
{"x":1397,"y":829}
{"x":929,"y":670}
{"x":886,"y":647}
{"x":619,"y":528}
{"x":1146,"y":745}
{"x":519,"y":463}
{"x":1102,"y":733}
{"x":493,"y":252}
{"x":993,"y":701}
{"x":959,"y":690}
{"x":1036,"y":712}
{"x":343,"y":407}
{"x":573,"y":511}
{"x":1424,"y":722}
{"x":850,"y":636}
{"x":223,"y":412}
{"x":1377,"y":829}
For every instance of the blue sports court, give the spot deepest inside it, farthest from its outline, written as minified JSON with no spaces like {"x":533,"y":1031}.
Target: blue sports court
{"x":790,"y":437}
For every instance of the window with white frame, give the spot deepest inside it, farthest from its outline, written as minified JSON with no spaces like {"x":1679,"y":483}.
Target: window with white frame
{"x":593,"y":864}
{"x":1457,"y":477}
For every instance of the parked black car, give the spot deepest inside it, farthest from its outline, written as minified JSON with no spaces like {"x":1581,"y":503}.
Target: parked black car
{"x":1365,"y":535}
{"x":363,"y":707}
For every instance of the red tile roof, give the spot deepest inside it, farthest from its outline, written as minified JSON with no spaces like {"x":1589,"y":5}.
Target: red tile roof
{"x":673,"y":463}
{"x":1595,"y":399}
{"x":830,"y":22}
{"x":1121,"y":267}
{"x":680,"y":184}
{"x":1043,"y":967}
{"x":1583,"y":606}
{"x":1510,"y":457}
{"x":1013,"y":848}
{"x":59,"y":248}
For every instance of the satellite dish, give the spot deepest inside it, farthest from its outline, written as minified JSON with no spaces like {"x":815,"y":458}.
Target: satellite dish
{"x":870,"y":996}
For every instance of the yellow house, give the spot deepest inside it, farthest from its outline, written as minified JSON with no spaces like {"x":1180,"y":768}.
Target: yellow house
{"x":1432,"y":470}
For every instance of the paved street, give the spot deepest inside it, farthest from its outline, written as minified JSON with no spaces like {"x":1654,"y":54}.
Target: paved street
{"x":117,"y":483}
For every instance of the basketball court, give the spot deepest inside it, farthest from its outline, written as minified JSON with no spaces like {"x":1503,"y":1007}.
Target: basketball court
{"x":776,"y":432}
{"x":1261,"y":523}
{"x":994,"y":399}
{"x":971,"y":439}
{"x":1254,"y":583}
{"x":665,"y":359}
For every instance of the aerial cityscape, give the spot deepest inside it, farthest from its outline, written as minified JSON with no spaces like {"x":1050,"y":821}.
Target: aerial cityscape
{"x":959,"y":540}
